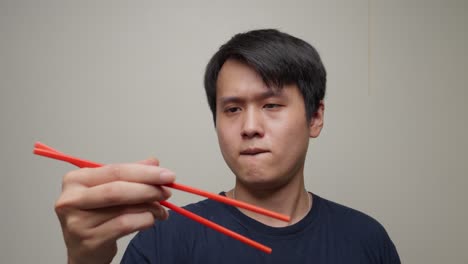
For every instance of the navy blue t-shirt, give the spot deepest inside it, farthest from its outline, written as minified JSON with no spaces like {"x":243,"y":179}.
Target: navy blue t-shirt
{"x":330,"y":233}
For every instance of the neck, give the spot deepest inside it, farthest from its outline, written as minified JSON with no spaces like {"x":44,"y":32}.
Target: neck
{"x":291,"y":199}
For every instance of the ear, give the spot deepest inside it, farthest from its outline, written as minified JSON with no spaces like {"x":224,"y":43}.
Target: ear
{"x":316,"y":122}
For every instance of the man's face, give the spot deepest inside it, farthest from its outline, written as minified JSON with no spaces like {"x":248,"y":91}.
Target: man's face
{"x":263,"y":133}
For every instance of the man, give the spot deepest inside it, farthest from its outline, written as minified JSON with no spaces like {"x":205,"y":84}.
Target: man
{"x":265,"y":89}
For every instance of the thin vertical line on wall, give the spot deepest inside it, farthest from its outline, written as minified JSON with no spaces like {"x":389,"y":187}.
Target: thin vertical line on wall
{"x":369,"y":49}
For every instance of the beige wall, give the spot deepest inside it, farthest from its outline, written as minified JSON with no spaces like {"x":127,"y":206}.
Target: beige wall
{"x":116,"y":81}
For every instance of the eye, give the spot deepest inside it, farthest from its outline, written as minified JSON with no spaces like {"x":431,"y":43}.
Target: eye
{"x":271,"y":106}
{"x":232,"y":109}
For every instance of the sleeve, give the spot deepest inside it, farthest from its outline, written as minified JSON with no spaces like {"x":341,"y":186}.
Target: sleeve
{"x":389,"y":254}
{"x":379,"y":247}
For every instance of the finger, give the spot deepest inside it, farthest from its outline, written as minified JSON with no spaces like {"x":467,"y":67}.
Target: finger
{"x":114,"y":194}
{"x":123,"y":225}
{"x":163,"y":214}
{"x":96,"y":217}
{"x":130,"y":172}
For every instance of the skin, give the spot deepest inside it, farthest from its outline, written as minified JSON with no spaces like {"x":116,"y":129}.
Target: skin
{"x":97,"y":206}
{"x":263,"y":135}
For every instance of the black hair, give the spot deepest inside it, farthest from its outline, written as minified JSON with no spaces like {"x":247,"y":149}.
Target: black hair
{"x":279,"y":58}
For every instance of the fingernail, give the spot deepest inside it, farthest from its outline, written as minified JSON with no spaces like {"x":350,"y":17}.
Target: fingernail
{"x":152,"y":160}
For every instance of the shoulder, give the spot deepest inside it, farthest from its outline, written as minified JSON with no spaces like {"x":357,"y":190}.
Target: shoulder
{"x":347,"y":218}
{"x":359,"y":229}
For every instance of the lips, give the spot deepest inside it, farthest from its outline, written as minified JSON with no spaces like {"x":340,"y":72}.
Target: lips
{"x":253,"y":151}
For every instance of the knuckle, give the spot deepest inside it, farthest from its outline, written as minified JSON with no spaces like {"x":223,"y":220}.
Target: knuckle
{"x":75,"y":229}
{"x":113,"y":192}
{"x":129,"y":223}
{"x":89,"y":245}
{"x":125,"y":224}
{"x":69,"y":177}
{"x":67,"y":200}
{"x":74,"y":176}
{"x":61,"y":205}
{"x":147,"y":220}
{"x":115,"y":170}
{"x":151,"y":194}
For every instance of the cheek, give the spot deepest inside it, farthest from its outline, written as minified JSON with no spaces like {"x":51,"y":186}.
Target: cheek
{"x":292,"y":135}
{"x":225,"y":138}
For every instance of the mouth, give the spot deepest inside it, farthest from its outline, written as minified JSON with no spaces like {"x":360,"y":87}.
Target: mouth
{"x":253,"y":151}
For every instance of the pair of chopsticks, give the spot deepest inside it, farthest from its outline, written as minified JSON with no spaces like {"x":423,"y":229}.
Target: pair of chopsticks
{"x":46,"y":151}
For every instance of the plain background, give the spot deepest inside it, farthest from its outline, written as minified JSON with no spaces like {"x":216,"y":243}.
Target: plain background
{"x":117,"y":81}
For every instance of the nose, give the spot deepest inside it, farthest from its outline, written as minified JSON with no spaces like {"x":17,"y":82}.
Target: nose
{"x":252,"y":124}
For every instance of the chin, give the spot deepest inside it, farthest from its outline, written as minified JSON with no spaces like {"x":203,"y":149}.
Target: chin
{"x":261,"y":182}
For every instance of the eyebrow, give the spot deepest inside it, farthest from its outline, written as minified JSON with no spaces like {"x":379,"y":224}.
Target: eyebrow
{"x":236,"y":99}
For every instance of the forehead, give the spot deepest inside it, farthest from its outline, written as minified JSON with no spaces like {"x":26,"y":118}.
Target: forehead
{"x":238,"y":79}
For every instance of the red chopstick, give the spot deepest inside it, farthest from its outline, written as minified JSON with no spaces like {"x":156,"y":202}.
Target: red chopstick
{"x":44,"y":150}
{"x":216,"y":227}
